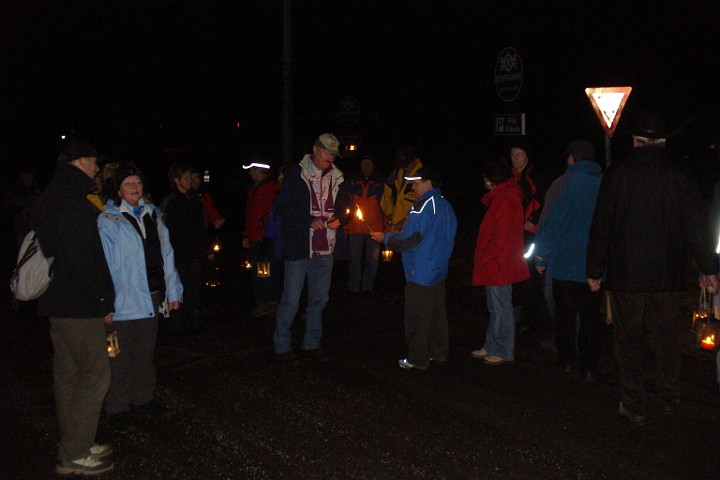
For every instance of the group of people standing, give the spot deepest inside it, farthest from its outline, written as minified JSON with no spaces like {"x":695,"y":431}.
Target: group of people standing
{"x":628,"y":229}
{"x":123,"y":261}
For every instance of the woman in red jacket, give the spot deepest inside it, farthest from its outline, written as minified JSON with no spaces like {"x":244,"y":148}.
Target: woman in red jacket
{"x":499,"y":259}
{"x":260,"y":198}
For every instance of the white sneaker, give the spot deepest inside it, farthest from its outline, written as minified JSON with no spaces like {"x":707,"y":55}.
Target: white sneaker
{"x":482,"y":353}
{"x":407,"y":365}
{"x":86,"y":466}
{"x":101,"y":450}
{"x":495,"y":360}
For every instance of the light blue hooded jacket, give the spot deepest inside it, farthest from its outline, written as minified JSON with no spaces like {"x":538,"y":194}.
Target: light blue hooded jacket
{"x":126,"y":259}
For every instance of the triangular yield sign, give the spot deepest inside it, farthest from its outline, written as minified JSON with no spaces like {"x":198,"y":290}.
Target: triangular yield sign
{"x":608,"y":103}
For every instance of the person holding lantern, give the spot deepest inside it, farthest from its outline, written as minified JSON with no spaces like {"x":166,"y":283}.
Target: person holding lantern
{"x":260,"y":198}
{"x":647,"y":215}
{"x":137,"y":248}
{"x":366,"y":194}
{"x":426,"y":242}
{"x":499,"y":261}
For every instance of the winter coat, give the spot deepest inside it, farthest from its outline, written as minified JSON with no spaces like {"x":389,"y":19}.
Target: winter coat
{"x":500,"y":248}
{"x":260,"y":200}
{"x":433,"y":219}
{"x":184,"y":218}
{"x":367,"y":194}
{"x":293,"y":205}
{"x":66,"y":226}
{"x":125,"y":255}
{"x":648,"y":212}
{"x":562,"y":237}
{"x":398,"y":196}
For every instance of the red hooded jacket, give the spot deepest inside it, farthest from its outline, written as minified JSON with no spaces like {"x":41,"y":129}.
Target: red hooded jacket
{"x":260,"y":199}
{"x":500,"y":248}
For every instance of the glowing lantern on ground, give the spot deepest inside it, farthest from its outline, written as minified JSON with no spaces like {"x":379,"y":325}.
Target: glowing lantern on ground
{"x":263,"y":269}
{"x":387,"y":255}
{"x":247,"y":265}
{"x":113,"y":345}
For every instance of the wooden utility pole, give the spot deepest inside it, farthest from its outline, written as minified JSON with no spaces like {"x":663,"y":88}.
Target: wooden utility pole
{"x":287,"y":130}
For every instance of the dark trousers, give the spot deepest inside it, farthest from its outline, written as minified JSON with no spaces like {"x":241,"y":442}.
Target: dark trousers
{"x":574,"y":300}
{"x":82,"y":374}
{"x":362,"y":274}
{"x":186,"y":317}
{"x":628,"y":310}
{"x":133,"y":369}
{"x":426,"y":326}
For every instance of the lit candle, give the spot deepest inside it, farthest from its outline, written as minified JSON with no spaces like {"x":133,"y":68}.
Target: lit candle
{"x":387,"y":255}
{"x":216,"y":247}
{"x":708,"y":343}
{"x":359,"y":215}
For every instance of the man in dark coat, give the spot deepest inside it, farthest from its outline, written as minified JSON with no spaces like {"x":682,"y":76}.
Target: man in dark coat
{"x":79,"y":302}
{"x":648,"y":212}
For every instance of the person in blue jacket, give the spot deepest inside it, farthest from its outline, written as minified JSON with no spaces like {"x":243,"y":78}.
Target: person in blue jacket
{"x":426,"y":243}
{"x":561,"y":242}
{"x":142,"y":265}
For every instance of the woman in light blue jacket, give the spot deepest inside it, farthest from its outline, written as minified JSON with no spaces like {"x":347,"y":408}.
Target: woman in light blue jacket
{"x":142,"y":264}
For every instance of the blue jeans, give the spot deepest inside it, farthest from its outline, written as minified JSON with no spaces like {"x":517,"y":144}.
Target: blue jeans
{"x":500,"y":336}
{"x":318,"y":271}
{"x":362,"y":279}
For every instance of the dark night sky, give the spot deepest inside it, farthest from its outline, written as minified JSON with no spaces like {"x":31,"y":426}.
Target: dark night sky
{"x":139,"y":77}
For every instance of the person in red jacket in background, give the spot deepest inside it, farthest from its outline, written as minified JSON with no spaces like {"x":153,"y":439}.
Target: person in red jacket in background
{"x":211,"y":214}
{"x":260,"y":198}
{"x":366,"y":192}
{"x":499,"y":260}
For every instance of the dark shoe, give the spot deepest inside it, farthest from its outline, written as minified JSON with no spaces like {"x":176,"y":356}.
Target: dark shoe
{"x":588,"y":376}
{"x":404,"y":364}
{"x":565,"y":368}
{"x":669,"y":408}
{"x":122,"y":422}
{"x":288,"y":359}
{"x":260,"y":311}
{"x":149,"y":408}
{"x":633,"y":418}
{"x":440,"y":363}
{"x":316,"y":354}
{"x":85,"y":466}
{"x":521,"y":329}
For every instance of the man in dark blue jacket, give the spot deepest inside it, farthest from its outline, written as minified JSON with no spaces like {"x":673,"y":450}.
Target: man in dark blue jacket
{"x":426,"y":243}
{"x":311,"y":194}
{"x":79,"y":302}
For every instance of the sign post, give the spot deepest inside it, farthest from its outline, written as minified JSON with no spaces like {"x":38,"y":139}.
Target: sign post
{"x":608,"y":103}
{"x":508,"y":82}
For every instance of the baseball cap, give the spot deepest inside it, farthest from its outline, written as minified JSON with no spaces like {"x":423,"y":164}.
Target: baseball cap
{"x":427,"y":173}
{"x":329,"y":142}
{"x":75,"y":149}
{"x":650,"y":125}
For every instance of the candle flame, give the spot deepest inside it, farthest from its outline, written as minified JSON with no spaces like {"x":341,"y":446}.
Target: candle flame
{"x":708,"y":342}
{"x":359,"y":214}
{"x":216,"y":247}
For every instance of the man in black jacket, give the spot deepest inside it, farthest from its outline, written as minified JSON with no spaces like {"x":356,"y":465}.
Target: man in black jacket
{"x":648,"y":211}
{"x":79,"y":303}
